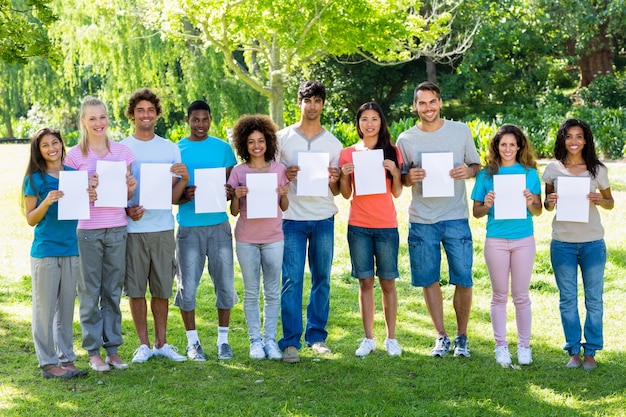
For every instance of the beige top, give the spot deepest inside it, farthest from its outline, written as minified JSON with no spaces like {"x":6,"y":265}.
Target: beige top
{"x":574,"y":232}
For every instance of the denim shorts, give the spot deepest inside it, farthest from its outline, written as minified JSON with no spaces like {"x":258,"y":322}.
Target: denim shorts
{"x":368,"y":245}
{"x":425,"y":242}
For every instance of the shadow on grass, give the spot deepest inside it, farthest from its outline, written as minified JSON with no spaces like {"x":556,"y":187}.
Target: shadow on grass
{"x":339,"y":384}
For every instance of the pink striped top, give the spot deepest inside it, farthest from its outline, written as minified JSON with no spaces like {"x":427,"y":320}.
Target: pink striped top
{"x":100,"y":217}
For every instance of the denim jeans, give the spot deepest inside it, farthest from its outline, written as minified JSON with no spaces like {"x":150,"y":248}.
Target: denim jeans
{"x":591,"y":257}
{"x":319,"y":235}
{"x":254,"y":258}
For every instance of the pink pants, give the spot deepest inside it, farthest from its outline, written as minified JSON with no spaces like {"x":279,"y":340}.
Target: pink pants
{"x":515,"y":258}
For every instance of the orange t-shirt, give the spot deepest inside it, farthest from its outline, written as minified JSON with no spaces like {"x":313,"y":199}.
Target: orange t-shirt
{"x":376,"y":211}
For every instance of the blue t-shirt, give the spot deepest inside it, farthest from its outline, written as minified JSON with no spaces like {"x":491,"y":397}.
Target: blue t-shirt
{"x":53,"y":237}
{"x":208,"y":153}
{"x":507,"y":228}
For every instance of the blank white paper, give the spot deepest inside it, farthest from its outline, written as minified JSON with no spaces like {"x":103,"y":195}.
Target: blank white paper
{"x":572,"y":204}
{"x":313,"y":174}
{"x":74,"y":205}
{"x":369,"y":172}
{"x":262,"y":200}
{"x":210,"y":195}
{"x":438,"y":182}
{"x":510,"y":202}
{"x":155,"y":186}
{"x":112,"y":189}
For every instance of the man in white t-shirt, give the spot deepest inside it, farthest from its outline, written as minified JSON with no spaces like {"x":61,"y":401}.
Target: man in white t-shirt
{"x":150,"y":248}
{"x":440,"y":221}
{"x":308,"y":226}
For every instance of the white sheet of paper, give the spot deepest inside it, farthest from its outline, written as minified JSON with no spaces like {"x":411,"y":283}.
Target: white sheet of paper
{"x":369,"y":173}
{"x":262,"y":198}
{"x":313,"y":174}
{"x":210,"y":195}
{"x":510,"y":202}
{"x":572,"y":205}
{"x":438,"y":182}
{"x":112,"y":189}
{"x":155,"y":188}
{"x":74,"y":205}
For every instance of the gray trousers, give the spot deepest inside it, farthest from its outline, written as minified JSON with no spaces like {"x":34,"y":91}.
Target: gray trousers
{"x":54,"y":293}
{"x":103,"y":266}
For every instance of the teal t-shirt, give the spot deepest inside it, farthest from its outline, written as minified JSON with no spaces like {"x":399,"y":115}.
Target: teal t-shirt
{"x":53,"y":237}
{"x":507,"y":228}
{"x":209,"y":153}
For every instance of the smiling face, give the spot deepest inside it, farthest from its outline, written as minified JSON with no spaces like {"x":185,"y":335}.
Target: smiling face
{"x":428,"y":106}
{"x":51,"y":148}
{"x":95,"y":120}
{"x":574,"y":140}
{"x":256,"y":145}
{"x":199,"y":122}
{"x":145,"y":116}
{"x":507,"y":149}
{"x":369,"y":124}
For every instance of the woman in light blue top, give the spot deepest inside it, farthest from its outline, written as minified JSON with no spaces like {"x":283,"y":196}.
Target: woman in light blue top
{"x":510,"y":245}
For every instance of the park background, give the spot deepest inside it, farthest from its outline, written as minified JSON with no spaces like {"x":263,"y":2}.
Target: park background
{"x":531,"y":63}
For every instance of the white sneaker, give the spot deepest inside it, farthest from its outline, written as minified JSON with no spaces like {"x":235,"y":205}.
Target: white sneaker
{"x":169,"y":352}
{"x":503,"y":356}
{"x":367,"y":347}
{"x":142,"y":354}
{"x":524,"y":355}
{"x":393,"y":347}
{"x":271,"y":350}
{"x":256,"y":350}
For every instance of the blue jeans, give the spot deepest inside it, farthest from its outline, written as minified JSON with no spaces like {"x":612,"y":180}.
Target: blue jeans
{"x":254,"y":258}
{"x":591,"y":257}
{"x":319,"y":234}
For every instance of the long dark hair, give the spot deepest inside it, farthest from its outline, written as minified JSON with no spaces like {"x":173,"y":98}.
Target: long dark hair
{"x":589,"y":150}
{"x":37,"y":163}
{"x":384,"y":137}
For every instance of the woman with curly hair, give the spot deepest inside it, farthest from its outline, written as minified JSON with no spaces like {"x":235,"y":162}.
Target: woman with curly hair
{"x":510,"y":244}
{"x":259,"y":241}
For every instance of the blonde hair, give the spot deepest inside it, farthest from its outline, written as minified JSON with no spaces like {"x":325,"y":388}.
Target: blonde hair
{"x":88,"y":101}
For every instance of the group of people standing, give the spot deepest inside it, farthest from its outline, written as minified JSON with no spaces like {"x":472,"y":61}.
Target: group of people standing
{"x":130,"y":249}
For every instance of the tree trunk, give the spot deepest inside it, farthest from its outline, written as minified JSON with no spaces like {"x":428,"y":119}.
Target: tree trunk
{"x":277,"y":98}
{"x":9,"y":127}
{"x":431,"y":70}
{"x":599,"y":59}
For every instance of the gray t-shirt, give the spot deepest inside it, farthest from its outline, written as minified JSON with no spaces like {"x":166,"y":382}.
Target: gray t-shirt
{"x":452,"y":137}
{"x":575,"y":232}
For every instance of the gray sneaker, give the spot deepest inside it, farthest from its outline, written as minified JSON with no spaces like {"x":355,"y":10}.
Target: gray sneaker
{"x":442,"y":346}
{"x":224,"y":351}
{"x":195,"y":353}
{"x":461,"y":347}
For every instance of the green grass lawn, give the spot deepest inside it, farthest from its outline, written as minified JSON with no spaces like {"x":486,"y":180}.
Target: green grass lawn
{"x":340,"y":384}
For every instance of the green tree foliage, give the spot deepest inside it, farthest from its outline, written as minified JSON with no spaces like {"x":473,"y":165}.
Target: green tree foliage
{"x":23,"y":30}
{"x":264,"y":42}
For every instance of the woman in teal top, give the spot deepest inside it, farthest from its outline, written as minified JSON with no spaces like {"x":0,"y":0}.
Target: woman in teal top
{"x":510,"y":245}
{"x":54,"y":257}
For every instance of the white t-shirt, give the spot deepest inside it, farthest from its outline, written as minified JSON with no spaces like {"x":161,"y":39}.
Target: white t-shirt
{"x":156,"y":150}
{"x":452,"y":137}
{"x":575,"y":232}
{"x":291,"y":142}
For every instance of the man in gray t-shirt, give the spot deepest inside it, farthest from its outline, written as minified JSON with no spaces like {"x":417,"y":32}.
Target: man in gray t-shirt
{"x":436,"y":221}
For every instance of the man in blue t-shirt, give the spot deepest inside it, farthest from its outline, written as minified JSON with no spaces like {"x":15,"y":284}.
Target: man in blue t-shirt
{"x":204,"y":235}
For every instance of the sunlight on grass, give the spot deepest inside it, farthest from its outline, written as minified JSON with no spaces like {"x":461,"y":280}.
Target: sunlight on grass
{"x":339,"y":384}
